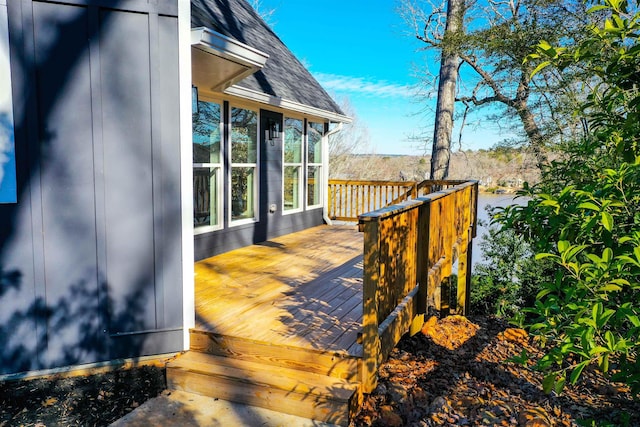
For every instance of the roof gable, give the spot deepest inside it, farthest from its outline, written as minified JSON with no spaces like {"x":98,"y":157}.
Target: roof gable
{"x":283,"y":76}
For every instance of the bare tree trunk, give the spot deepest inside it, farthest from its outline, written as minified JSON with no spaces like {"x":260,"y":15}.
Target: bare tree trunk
{"x":443,"y":128}
{"x":536,"y":140}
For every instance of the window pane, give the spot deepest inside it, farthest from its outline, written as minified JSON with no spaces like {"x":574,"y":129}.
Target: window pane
{"x":206,"y":133}
{"x":291,"y":187}
{"x":244,"y":136}
{"x":314,"y":136}
{"x":205,"y":197}
{"x":292,"y":140}
{"x":313,"y":185}
{"x":8,"y":187}
{"x":242,"y":193}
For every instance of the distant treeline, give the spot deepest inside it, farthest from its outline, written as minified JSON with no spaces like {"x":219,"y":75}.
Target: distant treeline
{"x":503,"y":167}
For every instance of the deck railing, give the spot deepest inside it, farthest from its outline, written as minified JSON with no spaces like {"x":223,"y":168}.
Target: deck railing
{"x":349,"y":199}
{"x":410,"y":249}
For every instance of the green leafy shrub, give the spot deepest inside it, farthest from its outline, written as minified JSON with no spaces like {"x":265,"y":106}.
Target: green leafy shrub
{"x":584,"y":216}
{"x":507,"y":279}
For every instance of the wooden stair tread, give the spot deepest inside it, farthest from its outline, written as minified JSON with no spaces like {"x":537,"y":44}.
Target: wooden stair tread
{"x":301,"y":393}
{"x":329,"y":363}
{"x":251,"y":373}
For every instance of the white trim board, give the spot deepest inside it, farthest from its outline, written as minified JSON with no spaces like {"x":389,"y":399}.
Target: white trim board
{"x":186,"y":170}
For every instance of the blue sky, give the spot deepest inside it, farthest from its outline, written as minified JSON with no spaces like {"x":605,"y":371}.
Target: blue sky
{"x":362,"y":50}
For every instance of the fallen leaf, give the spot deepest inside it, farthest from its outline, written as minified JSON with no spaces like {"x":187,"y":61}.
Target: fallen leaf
{"x":50,"y":402}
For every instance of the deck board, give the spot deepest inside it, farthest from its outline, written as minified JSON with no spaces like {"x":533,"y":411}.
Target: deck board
{"x":303,"y":289}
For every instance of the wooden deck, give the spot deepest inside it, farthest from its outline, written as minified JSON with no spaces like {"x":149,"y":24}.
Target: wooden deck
{"x":301,"y":290}
{"x":300,"y":324}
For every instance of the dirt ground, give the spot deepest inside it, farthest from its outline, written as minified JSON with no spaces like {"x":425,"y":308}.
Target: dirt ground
{"x":454,"y":374}
{"x":95,"y":400}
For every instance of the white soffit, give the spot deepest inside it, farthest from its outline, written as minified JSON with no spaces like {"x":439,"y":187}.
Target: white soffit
{"x":218,"y":61}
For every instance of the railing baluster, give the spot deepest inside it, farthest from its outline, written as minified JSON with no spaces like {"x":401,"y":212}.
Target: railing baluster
{"x":348,"y":199}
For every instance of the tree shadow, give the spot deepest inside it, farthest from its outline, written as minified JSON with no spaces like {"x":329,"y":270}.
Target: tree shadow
{"x":466,"y":381}
{"x":75,"y":333}
{"x":58,"y":307}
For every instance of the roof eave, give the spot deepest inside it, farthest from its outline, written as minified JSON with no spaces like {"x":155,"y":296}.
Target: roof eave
{"x":285,"y":104}
{"x":246,"y":59}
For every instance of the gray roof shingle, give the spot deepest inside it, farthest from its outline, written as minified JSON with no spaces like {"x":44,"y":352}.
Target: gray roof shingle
{"x":283,"y":75}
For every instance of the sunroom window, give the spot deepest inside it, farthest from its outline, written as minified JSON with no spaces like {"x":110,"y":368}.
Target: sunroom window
{"x":314,"y":163}
{"x":207,"y":166}
{"x":244,"y":164}
{"x":292,"y":165}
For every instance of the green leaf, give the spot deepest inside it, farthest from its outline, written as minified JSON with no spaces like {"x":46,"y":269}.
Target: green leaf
{"x":553,"y":203}
{"x":609,"y":25}
{"x":588,"y":322}
{"x":615,"y":4}
{"x":607,"y":221}
{"x":548,"y":382}
{"x":629,"y":260}
{"x":594,"y":258}
{"x":622,"y":345}
{"x":610,"y":339}
{"x":573,"y":252}
{"x":603,"y":363}
{"x":598,"y":350}
{"x":559,"y":385}
{"x":520,"y":359}
{"x":589,"y":205}
{"x":610,"y":287}
{"x":597,"y":8}
{"x":544,"y":45}
{"x":595,"y":311}
{"x":635,"y":321}
{"x":563,"y":245}
{"x":604,"y":318}
{"x":544,"y":292}
{"x":577,"y":371}
{"x":541,"y":66}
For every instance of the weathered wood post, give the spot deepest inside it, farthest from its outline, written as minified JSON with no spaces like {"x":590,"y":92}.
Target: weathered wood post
{"x":468,"y":206}
{"x":473,"y":229}
{"x":371,"y":276}
{"x":463,"y":204}
{"x":422,"y":263}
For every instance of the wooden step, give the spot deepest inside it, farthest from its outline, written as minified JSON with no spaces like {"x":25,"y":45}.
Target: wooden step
{"x":335,"y":364}
{"x":290,"y":391}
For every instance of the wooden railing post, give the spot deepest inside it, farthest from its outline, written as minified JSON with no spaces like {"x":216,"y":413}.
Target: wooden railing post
{"x":468,"y":212}
{"x":422,"y":264}
{"x":463,"y":275}
{"x":473,"y":225}
{"x":371,"y":276}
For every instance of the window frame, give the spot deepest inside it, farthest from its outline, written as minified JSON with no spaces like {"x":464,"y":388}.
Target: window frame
{"x":317,"y":164}
{"x":300,"y":165}
{"x":217,"y":168}
{"x":256,"y":168}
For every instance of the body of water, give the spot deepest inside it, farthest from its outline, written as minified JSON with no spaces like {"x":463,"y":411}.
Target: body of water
{"x":485,"y":200}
